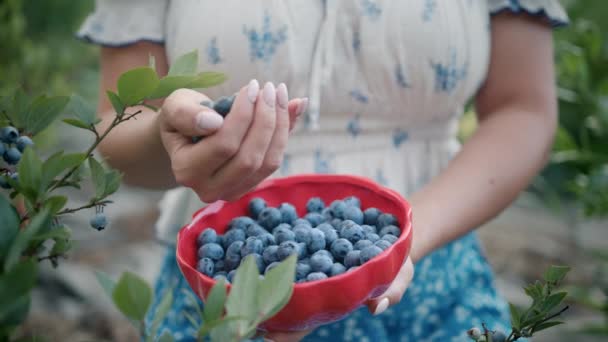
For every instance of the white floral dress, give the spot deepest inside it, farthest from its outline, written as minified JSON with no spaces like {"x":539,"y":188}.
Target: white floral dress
{"x":387,"y":81}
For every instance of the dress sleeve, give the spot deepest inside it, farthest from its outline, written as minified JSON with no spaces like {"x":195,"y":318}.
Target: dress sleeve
{"x":118,"y":23}
{"x":550,"y":10}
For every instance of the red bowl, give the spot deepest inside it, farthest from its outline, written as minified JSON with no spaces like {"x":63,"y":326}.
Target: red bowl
{"x":319,"y":302}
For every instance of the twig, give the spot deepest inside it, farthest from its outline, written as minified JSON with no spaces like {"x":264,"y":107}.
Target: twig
{"x":86,"y":206}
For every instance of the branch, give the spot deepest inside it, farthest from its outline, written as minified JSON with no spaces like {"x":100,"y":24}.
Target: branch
{"x":86,"y":206}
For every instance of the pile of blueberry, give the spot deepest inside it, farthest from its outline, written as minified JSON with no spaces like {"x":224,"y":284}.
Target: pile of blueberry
{"x":329,"y":240}
{"x":12,"y":146}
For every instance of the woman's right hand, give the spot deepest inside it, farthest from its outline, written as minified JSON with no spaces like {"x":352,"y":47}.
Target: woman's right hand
{"x":237,"y":152}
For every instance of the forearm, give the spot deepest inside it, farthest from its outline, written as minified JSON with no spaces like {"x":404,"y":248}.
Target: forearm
{"x":493,"y":167}
{"x":135,"y":148}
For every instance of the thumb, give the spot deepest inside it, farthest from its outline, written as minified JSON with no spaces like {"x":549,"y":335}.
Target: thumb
{"x":183,"y":114}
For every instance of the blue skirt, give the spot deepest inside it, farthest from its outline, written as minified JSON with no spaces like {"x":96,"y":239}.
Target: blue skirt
{"x":452,"y":291}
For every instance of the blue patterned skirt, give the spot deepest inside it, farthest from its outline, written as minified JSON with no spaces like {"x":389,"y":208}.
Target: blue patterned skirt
{"x":452,"y":291}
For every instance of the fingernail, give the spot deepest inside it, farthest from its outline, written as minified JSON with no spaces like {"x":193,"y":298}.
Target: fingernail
{"x":303,"y":106}
{"x":252,"y":90}
{"x":206,"y":120}
{"x":381,"y":306}
{"x":282,"y":96}
{"x":270,"y":95}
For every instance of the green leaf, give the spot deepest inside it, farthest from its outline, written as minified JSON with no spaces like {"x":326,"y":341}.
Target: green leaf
{"x":106,"y":282}
{"x":41,"y":220}
{"x":113,"y":179}
{"x":214,"y":306}
{"x":57,"y":164}
{"x":515,"y":317}
{"x":546,"y":325}
{"x":43,"y":111}
{"x":55,"y":203}
{"x":30,"y":174}
{"x":552,"y":301}
{"x":132,"y":295}
{"x":61,"y":246}
{"x":98,"y":177}
{"x":169,"y":84}
{"x":166,"y":337}
{"x":9,"y":225}
{"x":136,"y":84}
{"x":276,"y":288}
{"x":207,"y":79}
{"x":82,"y":111}
{"x":77,"y":123}
{"x":185,"y":64}
{"x":116,"y":102}
{"x":15,"y":287}
{"x":241,"y":300}
{"x":162,"y":310}
{"x":555,"y":274}
{"x":20,"y":108}
{"x":55,"y":233}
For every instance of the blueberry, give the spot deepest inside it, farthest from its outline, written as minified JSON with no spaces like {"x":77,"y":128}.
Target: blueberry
{"x":302,"y":270}
{"x":329,"y":232}
{"x":352,"y":201}
{"x":326,"y":253}
{"x":232,"y":261}
{"x":256,"y":205}
{"x":328,"y":214}
{"x":352,"y":268}
{"x":372,"y":237}
{"x":300,"y":222}
{"x":351,"y":231}
{"x":220,"y":265}
{"x":368,"y":253}
{"x":271,"y":266}
{"x":269,"y":218}
{"x":241,"y":222}
{"x":207,"y":103}
{"x":353,"y":258}
{"x":220,"y":276}
{"x":9,"y":134}
{"x":336,"y":223}
{"x":338,"y":208}
{"x":340,"y":248}
{"x":23,"y":142}
{"x":354,"y":214}
{"x":282,"y":226}
{"x":255,"y":230}
{"x":316,"y":276}
{"x":390,"y":229}
{"x":282,"y":234}
{"x":270,"y":254}
{"x":320,"y":263}
{"x":315,"y":219}
{"x":2,"y":148}
{"x":474,"y":333}
{"x":15,"y":176}
{"x":359,"y":245}
{"x":367,"y":229}
{"x":336,"y":269}
{"x":383,"y":244}
{"x":317,"y":240}
{"x":386,"y":220}
{"x":252,"y":245}
{"x":235,"y":248}
{"x":223,"y":105}
{"x":12,"y":156}
{"x":370,"y":216}
{"x":315,"y":205}
{"x":267,"y":239}
{"x":207,"y":236}
{"x":230,"y":275}
{"x":288,"y":213}
{"x":499,"y":336}
{"x":390,"y":238}
{"x":212,"y":251}
{"x":205,"y":266}
{"x":99,"y":221}
{"x":233,"y":236}
{"x":288,"y":248}
{"x":302,"y":233}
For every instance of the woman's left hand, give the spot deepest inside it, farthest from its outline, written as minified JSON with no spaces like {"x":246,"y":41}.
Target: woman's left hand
{"x":376,"y":306}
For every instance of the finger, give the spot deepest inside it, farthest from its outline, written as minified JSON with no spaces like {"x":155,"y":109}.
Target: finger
{"x":183,"y":113}
{"x":286,"y":336}
{"x":395,"y":291}
{"x":274,"y":154}
{"x":296,"y":108}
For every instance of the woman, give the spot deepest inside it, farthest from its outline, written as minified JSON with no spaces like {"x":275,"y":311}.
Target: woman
{"x":387,"y":82}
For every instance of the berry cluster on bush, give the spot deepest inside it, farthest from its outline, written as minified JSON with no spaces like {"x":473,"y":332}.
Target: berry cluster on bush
{"x":12,"y":145}
{"x":328,"y":240}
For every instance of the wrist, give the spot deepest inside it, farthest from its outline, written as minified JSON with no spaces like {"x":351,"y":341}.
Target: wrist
{"x":423,"y":227}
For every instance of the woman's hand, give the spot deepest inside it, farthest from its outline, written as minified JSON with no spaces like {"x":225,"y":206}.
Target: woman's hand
{"x":237,"y":152}
{"x":376,"y":306}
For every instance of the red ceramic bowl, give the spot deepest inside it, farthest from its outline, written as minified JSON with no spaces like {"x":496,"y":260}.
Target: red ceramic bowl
{"x":319,"y":302}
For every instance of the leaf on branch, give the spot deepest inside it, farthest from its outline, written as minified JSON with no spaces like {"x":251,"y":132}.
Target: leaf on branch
{"x":136,"y":84}
{"x":57,"y":164}
{"x":276,"y":289}
{"x":241,"y":300}
{"x":30,"y":175}
{"x":15,"y":287}
{"x":9,"y":225}
{"x":214,"y":306}
{"x":44,"y":111}
{"x":546,"y":325}
{"x":38,"y":222}
{"x":116,"y":102}
{"x":185,"y":64}
{"x":55,"y":203}
{"x":555,"y":274}
{"x":98,"y":177}
{"x":83,"y":112}
{"x":106,"y":282}
{"x":132,"y":295}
